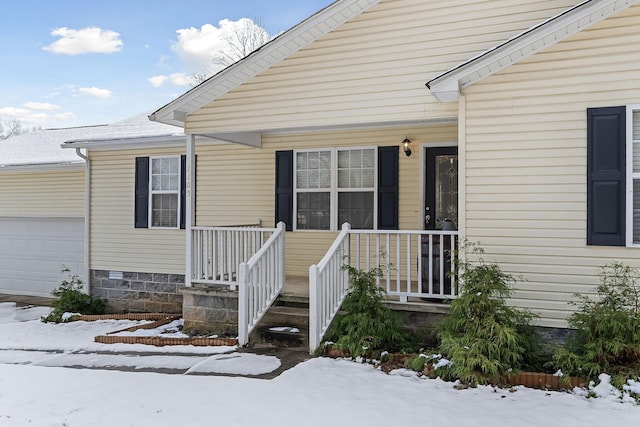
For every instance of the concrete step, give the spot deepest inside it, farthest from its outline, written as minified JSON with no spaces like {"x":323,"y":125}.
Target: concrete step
{"x":293,"y":300}
{"x":282,"y":315}
{"x":283,"y":326}
{"x":279,"y":337}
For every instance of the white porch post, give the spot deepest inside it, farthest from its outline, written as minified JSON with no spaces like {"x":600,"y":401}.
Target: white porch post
{"x":190,"y":208}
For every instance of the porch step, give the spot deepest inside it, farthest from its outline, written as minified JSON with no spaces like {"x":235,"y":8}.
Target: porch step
{"x":286,"y":324}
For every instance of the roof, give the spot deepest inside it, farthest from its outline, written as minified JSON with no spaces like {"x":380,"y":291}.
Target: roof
{"x":261,"y":59}
{"x":43,"y":149}
{"x":448,"y":85}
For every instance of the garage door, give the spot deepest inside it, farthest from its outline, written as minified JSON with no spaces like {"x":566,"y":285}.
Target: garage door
{"x":33,"y":252}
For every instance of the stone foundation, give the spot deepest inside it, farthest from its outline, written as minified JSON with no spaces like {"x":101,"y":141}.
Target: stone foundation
{"x":138,"y":292}
{"x":208,"y":311}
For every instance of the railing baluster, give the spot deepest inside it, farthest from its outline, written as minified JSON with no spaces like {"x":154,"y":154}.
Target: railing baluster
{"x":408,"y":263}
{"x":398,"y":264}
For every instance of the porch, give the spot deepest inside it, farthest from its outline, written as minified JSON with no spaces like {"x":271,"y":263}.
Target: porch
{"x":247,"y":263}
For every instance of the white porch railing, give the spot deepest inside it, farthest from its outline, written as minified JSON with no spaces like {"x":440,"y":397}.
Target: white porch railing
{"x":413,"y":264}
{"x":328,"y":285}
{"x":216,"y":252}
{"x":260,"y":282}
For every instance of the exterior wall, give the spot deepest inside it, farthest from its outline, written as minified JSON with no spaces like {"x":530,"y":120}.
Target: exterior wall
{"x":51,"y":193}
{"x":374,"y":67}
{"x":115,"y":243}
{"x":526,"y":155}
{"x":138,"y":292}
{"x":236,"y":184}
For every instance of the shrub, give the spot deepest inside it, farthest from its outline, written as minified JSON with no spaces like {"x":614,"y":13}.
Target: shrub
{"x":70,"y":298}
{"x":482,"y":336}
{"x":606,"y":329}
{"x":367,"y":326}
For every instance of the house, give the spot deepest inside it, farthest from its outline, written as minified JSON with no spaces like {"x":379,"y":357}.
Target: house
{"x":510,"y":144}
{"x":43,"y":203}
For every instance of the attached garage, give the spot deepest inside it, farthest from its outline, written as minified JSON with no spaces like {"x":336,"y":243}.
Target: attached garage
{"x":33,"y":252}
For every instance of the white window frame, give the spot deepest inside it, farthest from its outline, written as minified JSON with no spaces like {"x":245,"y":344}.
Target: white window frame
{"x":333,"y":190}
{"x":630,"y":175}
{"x":153,"y":192}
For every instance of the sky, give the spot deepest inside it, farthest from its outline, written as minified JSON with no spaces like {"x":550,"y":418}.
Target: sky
{"x":45,"y":380}
{"x":77,"y":63}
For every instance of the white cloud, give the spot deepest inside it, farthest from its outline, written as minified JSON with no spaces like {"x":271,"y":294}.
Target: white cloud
{"x":195,"y":47}
{"x":40,"y":106}
{"x":177,"y":79}
{"x":64,"y":116}
{"x":85,"y":40}
{"x":95,"y":92}
{"x":157,"y":81}
{"x":31,"y":115}
{"x":14,"y":111}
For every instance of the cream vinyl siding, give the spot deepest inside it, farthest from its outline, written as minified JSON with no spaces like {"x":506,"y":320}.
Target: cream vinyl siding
{"x":236,"y":184}
{"x":115,"y":243}
{"x":374,"y":67}
{"x":51,"y":193}
{"x":526,"y":145}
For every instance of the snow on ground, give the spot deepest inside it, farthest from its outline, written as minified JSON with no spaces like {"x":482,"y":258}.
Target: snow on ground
{"x":21,"y":329}
{"x":318,"y":392}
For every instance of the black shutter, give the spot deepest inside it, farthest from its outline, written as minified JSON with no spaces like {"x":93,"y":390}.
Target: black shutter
{"x":284,"y":188}
{"x":388,"y":188}
{"x":606,"y":203}
{"x":141,"y":215}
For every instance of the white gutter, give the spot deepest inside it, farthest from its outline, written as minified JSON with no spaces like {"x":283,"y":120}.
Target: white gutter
{"x":87,"y":216}
{"x":39,"y":167}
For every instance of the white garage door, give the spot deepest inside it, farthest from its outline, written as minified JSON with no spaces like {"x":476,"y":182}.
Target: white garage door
{"x":33,"y":252}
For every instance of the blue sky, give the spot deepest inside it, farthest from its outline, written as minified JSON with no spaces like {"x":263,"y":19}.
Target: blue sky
{"x":76,"y":63}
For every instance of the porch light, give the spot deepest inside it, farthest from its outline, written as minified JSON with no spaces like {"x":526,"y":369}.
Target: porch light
{"x":405,"y":142}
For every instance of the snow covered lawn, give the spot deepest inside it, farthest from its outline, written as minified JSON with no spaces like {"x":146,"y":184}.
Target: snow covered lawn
{"x":318,"y":392}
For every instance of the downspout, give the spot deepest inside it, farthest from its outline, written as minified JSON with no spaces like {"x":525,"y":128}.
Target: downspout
{"x":87,"y":216}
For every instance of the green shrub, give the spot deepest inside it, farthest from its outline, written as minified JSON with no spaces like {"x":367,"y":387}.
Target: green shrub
{"x":482,"y":336}
{"x":367,"y":327}
{"x":70,"y":298}
{"x":606,"y":330}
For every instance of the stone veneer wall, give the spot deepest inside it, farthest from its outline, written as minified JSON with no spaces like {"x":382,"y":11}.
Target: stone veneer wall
{"x":138,"y":292}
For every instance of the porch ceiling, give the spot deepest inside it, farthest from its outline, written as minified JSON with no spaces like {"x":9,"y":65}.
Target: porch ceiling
{"x":254,"y":138}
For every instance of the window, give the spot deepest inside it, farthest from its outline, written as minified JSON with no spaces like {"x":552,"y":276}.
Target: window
{"x":321,"y":189}
{"x":356,"y":187}
{"x":334,"y":186}
{"x":164,"y":191}
{"x":160,"y":191}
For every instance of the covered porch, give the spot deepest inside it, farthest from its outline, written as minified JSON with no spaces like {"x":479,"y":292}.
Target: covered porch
{"x":247,"y":263}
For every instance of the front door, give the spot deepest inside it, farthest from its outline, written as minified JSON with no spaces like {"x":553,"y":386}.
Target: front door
{"x":440,"y":212}
{"x":441,"y":188}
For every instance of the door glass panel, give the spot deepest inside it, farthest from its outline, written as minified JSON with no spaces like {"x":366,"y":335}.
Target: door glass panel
{"x":446,"y":190}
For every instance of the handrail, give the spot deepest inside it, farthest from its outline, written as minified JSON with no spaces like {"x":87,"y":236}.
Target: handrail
{"x":260,"y":281}
{"x":328,"y":285}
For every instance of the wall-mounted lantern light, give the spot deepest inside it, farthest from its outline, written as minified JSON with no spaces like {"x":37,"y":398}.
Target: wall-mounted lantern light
{"x":405,"y":143}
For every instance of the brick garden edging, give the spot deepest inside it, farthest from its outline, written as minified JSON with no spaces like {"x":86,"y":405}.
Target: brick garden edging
{"x":159,"y":319}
